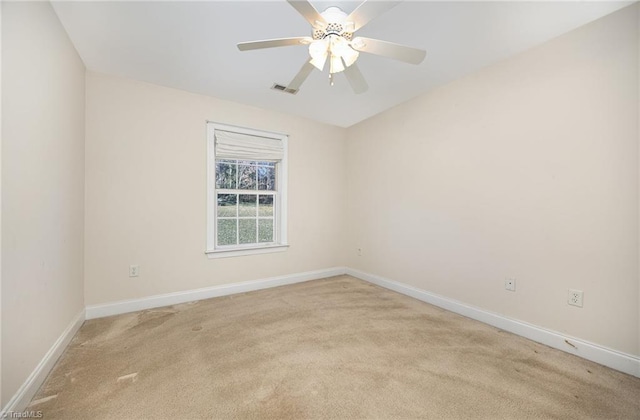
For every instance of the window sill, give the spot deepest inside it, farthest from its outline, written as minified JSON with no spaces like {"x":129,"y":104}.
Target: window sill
{"x":237,"y":252}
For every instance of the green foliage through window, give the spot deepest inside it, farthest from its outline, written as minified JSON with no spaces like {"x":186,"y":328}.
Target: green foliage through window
{"x":245,"y":202}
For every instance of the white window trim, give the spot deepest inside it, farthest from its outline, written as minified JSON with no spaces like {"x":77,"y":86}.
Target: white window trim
{"x":280,"y":218}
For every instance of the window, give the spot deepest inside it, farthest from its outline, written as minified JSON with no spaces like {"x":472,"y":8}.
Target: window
{"x":246,"y":197}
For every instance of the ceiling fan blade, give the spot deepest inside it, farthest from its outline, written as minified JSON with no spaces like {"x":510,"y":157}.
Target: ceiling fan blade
{"x":356,"y":79}
{"x":302,"y":75}
{"x":271,"y":43}
{"x":369,"y":10}
{"x":309,"y":12}
{"x":389,"y":49}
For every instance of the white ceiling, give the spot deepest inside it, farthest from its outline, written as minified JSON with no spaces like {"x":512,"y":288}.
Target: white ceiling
{"x":192,"y":46}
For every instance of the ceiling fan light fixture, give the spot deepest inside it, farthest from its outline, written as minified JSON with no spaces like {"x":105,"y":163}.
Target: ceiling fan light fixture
{"x":336,"y":65}
{"x":350,"y":57}
{"x":340,"y":47}
{"x":319,"y":50}
{"x":332,"y":39}
{"x":318,"y":62}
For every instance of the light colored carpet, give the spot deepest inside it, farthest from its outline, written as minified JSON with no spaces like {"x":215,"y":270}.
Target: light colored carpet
{"x":331,"y":348}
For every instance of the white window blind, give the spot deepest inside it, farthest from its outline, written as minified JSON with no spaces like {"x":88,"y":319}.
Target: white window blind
{"x":231,"y":145}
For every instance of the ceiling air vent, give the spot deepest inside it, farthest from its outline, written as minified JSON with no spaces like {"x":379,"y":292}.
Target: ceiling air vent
{"x":284,"y":89}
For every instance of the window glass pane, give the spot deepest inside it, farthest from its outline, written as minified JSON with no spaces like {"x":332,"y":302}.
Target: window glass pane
{"x":227,"y":233}
{"x":246,"y":176}
{"x":247,"y":207}
{"x":266,"y":178}
{"x":226,"y":171}
{"x":227,"y":205}
{"x":265,"y":205}
{"x":265,"y":230}
{"x":247,"y":231}
{"x":271,"y":164}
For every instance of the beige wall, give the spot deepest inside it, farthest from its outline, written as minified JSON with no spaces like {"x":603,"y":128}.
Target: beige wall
{"x":526,"y":169}
{"x":43,"y":82}
{"x":146,"y":191}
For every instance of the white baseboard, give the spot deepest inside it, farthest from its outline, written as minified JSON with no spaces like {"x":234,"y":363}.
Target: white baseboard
{"x":611,"y":358}
{"x":614,"y":359}
{"x":21,"y":399}
{"x":132,"y":305}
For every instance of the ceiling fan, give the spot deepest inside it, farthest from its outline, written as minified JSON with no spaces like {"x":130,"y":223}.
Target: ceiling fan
{"x":332,"y":40}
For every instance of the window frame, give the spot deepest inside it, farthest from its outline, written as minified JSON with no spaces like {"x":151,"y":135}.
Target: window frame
{"x":279,"y":203}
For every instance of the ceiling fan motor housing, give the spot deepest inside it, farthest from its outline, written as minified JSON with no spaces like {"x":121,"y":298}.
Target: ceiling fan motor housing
{"x":336,"y":25}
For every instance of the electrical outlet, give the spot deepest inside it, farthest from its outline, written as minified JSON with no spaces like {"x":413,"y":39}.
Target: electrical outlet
{"x":134,"y":270}
{"x":575,"y":297}
{"x":510,"y":284}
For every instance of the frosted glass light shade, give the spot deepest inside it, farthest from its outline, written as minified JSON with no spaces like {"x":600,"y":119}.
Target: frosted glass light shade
{"x":340,"y":47}
{"x":350,"y":56}
{"x":318,"y":50}
{"x":337,"y":49}
{"x":336,"y":64}
{"x":318,"y":62}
